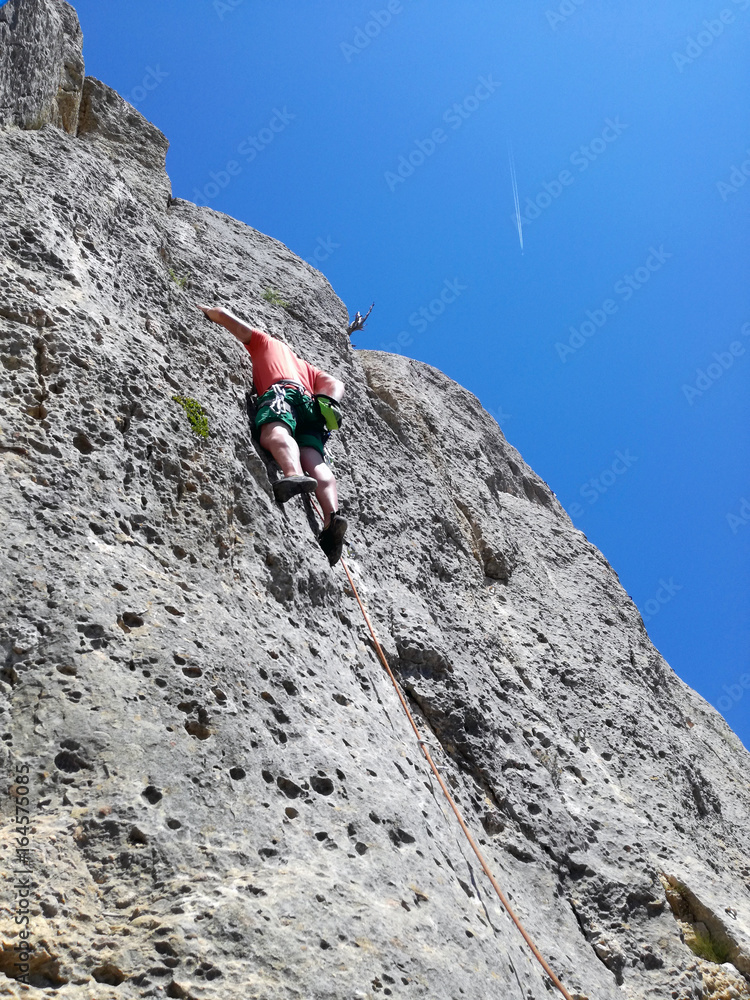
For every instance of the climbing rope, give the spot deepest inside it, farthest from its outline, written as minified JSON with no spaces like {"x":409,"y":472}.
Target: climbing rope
{"x":451,"y":802}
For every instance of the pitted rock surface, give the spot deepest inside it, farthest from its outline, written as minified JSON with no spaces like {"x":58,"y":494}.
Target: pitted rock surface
{"x":41,"y":64}
{"x":226,"y":799}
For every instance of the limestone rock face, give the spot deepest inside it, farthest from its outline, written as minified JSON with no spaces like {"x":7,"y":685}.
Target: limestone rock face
{"x":41,"y":65}
{"x":225,"y":799}
{"x":119,"y":132}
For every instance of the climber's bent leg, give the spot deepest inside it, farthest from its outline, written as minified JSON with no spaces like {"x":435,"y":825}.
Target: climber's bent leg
{"x":331,"y":538}
{"x":316,"y":466}
{"x":277,"y":438}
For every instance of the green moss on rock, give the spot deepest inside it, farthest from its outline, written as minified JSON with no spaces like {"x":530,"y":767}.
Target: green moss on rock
{"x":196,"y":415}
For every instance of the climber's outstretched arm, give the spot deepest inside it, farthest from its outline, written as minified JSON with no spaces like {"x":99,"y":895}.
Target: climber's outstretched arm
{"x":241,"y":330}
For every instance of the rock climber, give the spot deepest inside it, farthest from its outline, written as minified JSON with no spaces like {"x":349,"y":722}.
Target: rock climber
{"x":297,"y":404}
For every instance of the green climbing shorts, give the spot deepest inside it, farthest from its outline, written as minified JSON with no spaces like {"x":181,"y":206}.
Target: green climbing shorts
{"x":297,"y":410}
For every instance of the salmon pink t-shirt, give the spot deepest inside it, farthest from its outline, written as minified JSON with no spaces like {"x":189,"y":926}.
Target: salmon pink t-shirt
{"x":274,"y":361}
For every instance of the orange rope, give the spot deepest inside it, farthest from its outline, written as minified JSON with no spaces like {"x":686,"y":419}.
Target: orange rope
{"x":501,"y":896}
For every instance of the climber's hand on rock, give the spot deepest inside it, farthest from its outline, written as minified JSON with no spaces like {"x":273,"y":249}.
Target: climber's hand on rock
{"x":212,"y":313}
{"x":241,"y":330}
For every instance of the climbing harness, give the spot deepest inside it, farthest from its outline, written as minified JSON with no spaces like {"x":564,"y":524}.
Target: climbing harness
{"x":290,"y":382}
{"x":290,"y":403}
{"x":279,"y":405}
{"x":451,"y":802}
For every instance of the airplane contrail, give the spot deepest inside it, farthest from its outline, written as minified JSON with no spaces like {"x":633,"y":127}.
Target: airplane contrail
{"x":515,"y":194}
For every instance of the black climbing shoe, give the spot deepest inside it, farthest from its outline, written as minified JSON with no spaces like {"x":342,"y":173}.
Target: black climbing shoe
{"x":288,"y":487}
{"x":331,"y":539}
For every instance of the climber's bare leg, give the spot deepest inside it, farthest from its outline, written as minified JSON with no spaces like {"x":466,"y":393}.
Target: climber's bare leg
{"x":314,"y":465}
{"x":276,"y":438}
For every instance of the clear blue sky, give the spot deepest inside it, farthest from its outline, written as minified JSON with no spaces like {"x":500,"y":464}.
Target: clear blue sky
{"x":624,"y":120}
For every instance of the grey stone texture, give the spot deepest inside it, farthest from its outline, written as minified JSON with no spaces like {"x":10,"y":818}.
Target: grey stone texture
{"x":41,"y":64}
{"x":226,"y":801}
